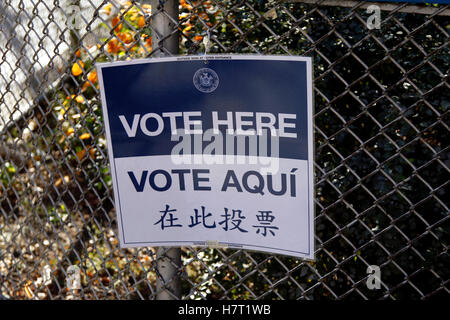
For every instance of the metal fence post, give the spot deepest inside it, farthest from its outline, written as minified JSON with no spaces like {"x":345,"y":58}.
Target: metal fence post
{"x":164,"y":22}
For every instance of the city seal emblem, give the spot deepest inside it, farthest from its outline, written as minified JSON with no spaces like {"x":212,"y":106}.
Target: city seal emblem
{"x":206,"y":80}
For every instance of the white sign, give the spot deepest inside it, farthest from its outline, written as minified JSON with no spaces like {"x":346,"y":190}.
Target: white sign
{"x":216,"y":152}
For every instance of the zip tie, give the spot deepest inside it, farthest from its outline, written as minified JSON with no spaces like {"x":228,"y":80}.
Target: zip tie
{"x":215,"y":244}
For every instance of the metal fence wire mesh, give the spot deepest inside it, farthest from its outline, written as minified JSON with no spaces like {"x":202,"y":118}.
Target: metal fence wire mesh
{"x":381,"y":138}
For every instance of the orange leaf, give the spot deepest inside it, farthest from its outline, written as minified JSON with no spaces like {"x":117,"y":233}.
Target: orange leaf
{"x":58,"y":182}
{"x":85,"y":86}
{"x":115,"y":21}
{"x":81,"y":154}
{"x":148,"y":41}
{"x":65,"y":179}
{"x":125,"y":37}
{"x":113,"y":46}
{"x":69,"y":131}
{"x":77,"y":68}
{"x":92,"y":76}
{"x":116,"y":24}
{"x":92,"y":153}
{"x":85,"y":136}
{"x":141,"y":22}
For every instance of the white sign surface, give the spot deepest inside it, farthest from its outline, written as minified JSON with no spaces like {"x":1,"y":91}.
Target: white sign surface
{"x":217,"y":152}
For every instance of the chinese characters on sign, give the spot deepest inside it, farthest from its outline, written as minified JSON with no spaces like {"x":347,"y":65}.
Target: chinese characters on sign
{"x":231,"y":220}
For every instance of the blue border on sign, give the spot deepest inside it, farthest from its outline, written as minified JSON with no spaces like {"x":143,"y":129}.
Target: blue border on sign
{"x":231,"y":245}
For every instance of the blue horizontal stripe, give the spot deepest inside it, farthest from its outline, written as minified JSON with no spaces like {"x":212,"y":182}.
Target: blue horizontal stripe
{"x":244,"y":85}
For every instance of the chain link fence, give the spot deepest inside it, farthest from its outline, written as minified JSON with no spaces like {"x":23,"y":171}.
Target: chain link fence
{"x":381,"y":139}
